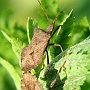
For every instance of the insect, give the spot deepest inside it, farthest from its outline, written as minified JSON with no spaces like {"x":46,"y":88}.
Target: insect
{"x":32,"y":54}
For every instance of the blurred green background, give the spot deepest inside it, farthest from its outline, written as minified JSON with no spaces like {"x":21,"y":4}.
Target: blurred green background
{"x":13,"y":20}
{"x":19,"y":10}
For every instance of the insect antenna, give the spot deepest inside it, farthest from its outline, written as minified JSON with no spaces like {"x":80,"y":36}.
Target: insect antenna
{"x":56,"y":17}
{"x":44,"y":10}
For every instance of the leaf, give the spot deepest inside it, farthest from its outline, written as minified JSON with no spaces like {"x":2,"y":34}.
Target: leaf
{"x":78,"y":61}
{"x":84,"y":22}
{"x":67,"y":17}
{"x":29,"y":29}
{"x":75,"y":70}
{"x":79,"y":32}
{"x":15,"y":76}
{"x":62,"y":36}
{"x":16,"y":46}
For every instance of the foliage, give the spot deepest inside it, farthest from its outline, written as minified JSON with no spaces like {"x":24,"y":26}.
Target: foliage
{"x":12,"y":72}
{"x":75,"y":70}
{"x":72,"y":37}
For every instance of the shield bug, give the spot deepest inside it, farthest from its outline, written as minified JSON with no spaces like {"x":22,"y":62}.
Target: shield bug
{"x":32,"y":54}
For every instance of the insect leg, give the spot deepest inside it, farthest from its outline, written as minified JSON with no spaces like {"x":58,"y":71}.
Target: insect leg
{"x":43,"y":65}
{"x":48,"y":65}
{"x":57,"y":28}
{"x":47,"y":57}
{"x":58,"y":45}
{"x":54,"y":81}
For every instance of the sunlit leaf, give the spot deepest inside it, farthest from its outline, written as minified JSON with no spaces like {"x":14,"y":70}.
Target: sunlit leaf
{"x":75,"y":70}
{"x":29,"y":29}
{"x":16,"y":45}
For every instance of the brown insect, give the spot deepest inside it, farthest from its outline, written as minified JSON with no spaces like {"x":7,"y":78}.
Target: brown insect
{"x":32,"y":54}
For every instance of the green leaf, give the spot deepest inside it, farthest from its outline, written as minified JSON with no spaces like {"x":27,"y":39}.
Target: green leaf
{"x":79,"y":32}
{"x":84,"y":22}
{"x":67,"y":17}
{"x":75,"y":70}
{"x":78,"y":61}
{"x":62,"y":35}
{"x":29,"y":29}
{"x":12,"y":72}
{"x":16,"y":46}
